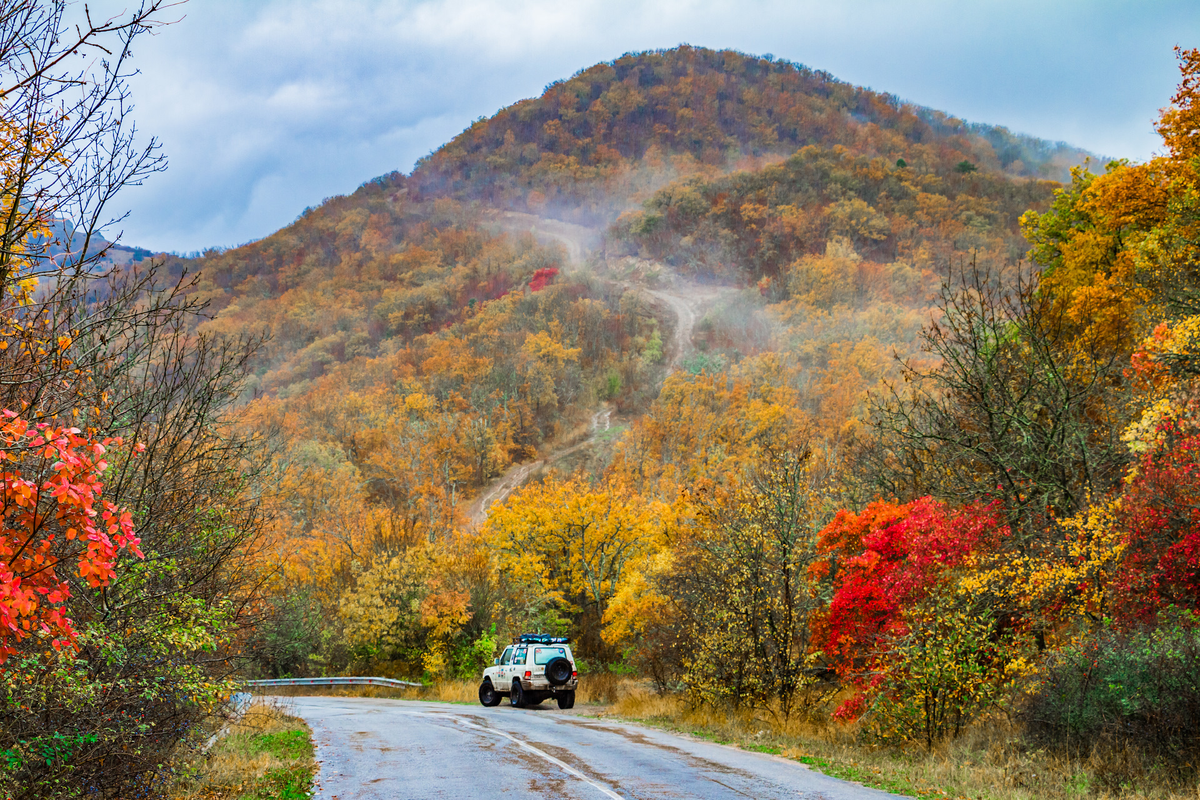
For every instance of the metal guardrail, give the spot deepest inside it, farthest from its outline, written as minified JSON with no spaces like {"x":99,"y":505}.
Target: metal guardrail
{"x":355,"y":681}
{"x":237,"y":706}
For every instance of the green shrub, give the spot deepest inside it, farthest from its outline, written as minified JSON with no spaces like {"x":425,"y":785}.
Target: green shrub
{"x":1136,"y":691}
{"x":941,"y":676}
{"x":472,"y":657}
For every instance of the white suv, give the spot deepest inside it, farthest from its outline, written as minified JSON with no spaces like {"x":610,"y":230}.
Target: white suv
{"x":532,"y":669}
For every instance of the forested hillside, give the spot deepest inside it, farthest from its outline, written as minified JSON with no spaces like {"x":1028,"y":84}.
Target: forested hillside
{"x":417,"y":347}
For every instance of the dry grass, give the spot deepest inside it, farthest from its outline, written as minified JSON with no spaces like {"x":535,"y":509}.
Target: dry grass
{"x":603,"y":688}
{"x":988,"y":763}
{"x":453,"y":692}
{"x":265,"y":755}
{"x":450,"y":692}
{"x":637,"y":701}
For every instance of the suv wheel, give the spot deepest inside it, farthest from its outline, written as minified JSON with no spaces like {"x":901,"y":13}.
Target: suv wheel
{"x":565,"y":700}
{"x":488,"y":695}
{"x":516,"y":697}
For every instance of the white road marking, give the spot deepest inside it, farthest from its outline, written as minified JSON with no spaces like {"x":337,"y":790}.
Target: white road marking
{"x":557,"y":762}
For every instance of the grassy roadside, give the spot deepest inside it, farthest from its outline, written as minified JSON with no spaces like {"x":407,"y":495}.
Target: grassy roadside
{"x":265,"y":755}
{"x":590,"y":692}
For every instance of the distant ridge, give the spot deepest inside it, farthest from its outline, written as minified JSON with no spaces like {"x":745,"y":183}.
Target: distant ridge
{"x":711,"y":109}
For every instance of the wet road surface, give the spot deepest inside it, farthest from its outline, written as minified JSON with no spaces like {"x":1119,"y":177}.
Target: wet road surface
{"x":370,"y":748}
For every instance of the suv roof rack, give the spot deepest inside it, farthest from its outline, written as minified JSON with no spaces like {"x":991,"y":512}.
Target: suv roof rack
{"x":542,"y":638}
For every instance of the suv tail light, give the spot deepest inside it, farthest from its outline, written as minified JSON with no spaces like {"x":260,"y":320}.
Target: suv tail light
{"x":574,"y":674}
{"x":528,"y":674}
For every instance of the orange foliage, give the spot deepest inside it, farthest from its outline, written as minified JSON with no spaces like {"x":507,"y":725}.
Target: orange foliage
{"x":52,"y":511}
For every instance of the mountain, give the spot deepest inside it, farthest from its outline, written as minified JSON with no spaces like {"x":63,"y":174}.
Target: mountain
{"x":588,"y":149}
{"x":66,"y":243}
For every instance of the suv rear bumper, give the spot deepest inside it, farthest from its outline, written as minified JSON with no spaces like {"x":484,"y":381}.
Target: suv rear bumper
{"x":544,"y":686}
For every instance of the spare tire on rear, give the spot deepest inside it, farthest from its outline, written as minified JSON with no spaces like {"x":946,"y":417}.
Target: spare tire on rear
{"x":558,"y":671}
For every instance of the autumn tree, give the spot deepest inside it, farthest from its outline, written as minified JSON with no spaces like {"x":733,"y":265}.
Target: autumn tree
{"x":924,"y":656}
{"x":154,"y":641}
{"x":576,"y":542}
{"x":90,"y":356}
{"x":884,"y":562}
{"x":1017,"y":408}
{"x":740,"y":588}
{"x":1117,"y":274}
{"x":67,"y":145}
{"x":55,"y":519}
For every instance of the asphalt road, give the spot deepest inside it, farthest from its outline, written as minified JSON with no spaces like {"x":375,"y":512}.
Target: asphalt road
{"x":403,"y":750}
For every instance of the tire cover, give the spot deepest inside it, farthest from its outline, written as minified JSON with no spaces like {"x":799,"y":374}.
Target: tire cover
{"x":558,"y":671}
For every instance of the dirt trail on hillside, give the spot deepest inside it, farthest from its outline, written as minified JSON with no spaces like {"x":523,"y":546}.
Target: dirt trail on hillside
{"x":685,"y":300}
{"x":516,"y":475}
{"x":576,"y":238}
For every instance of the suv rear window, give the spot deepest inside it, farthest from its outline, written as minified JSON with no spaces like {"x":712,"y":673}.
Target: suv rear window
{"x":544,"y":655}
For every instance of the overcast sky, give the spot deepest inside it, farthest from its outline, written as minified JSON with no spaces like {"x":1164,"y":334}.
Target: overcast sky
{"x":265,"y":107}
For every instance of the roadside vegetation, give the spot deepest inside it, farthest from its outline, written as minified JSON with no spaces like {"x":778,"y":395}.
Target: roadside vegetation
{"x":991,"y":759}
{"x":129,"y":513}
{"x":266,"y":754}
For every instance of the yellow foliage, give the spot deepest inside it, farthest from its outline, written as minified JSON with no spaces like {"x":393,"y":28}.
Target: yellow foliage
{"x":23,"y":144}
{"x":1168,"y":400}
{"x":711,"y":428}
{"x":857,"y":220}
{"x":576,"y":542}
{"x":382,"y":615}
{"x":545,"y":358}
{"x":1064,"y":587}
{"x":420,"y":404}
{"x":823,"y":281}
{"x":1179,"y":123}
{"x":637,"y":603}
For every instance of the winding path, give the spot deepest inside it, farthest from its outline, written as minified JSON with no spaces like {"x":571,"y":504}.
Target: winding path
{"x":684,"y":300}
{"x":516,"y":475}
{"x":576,"y":238}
